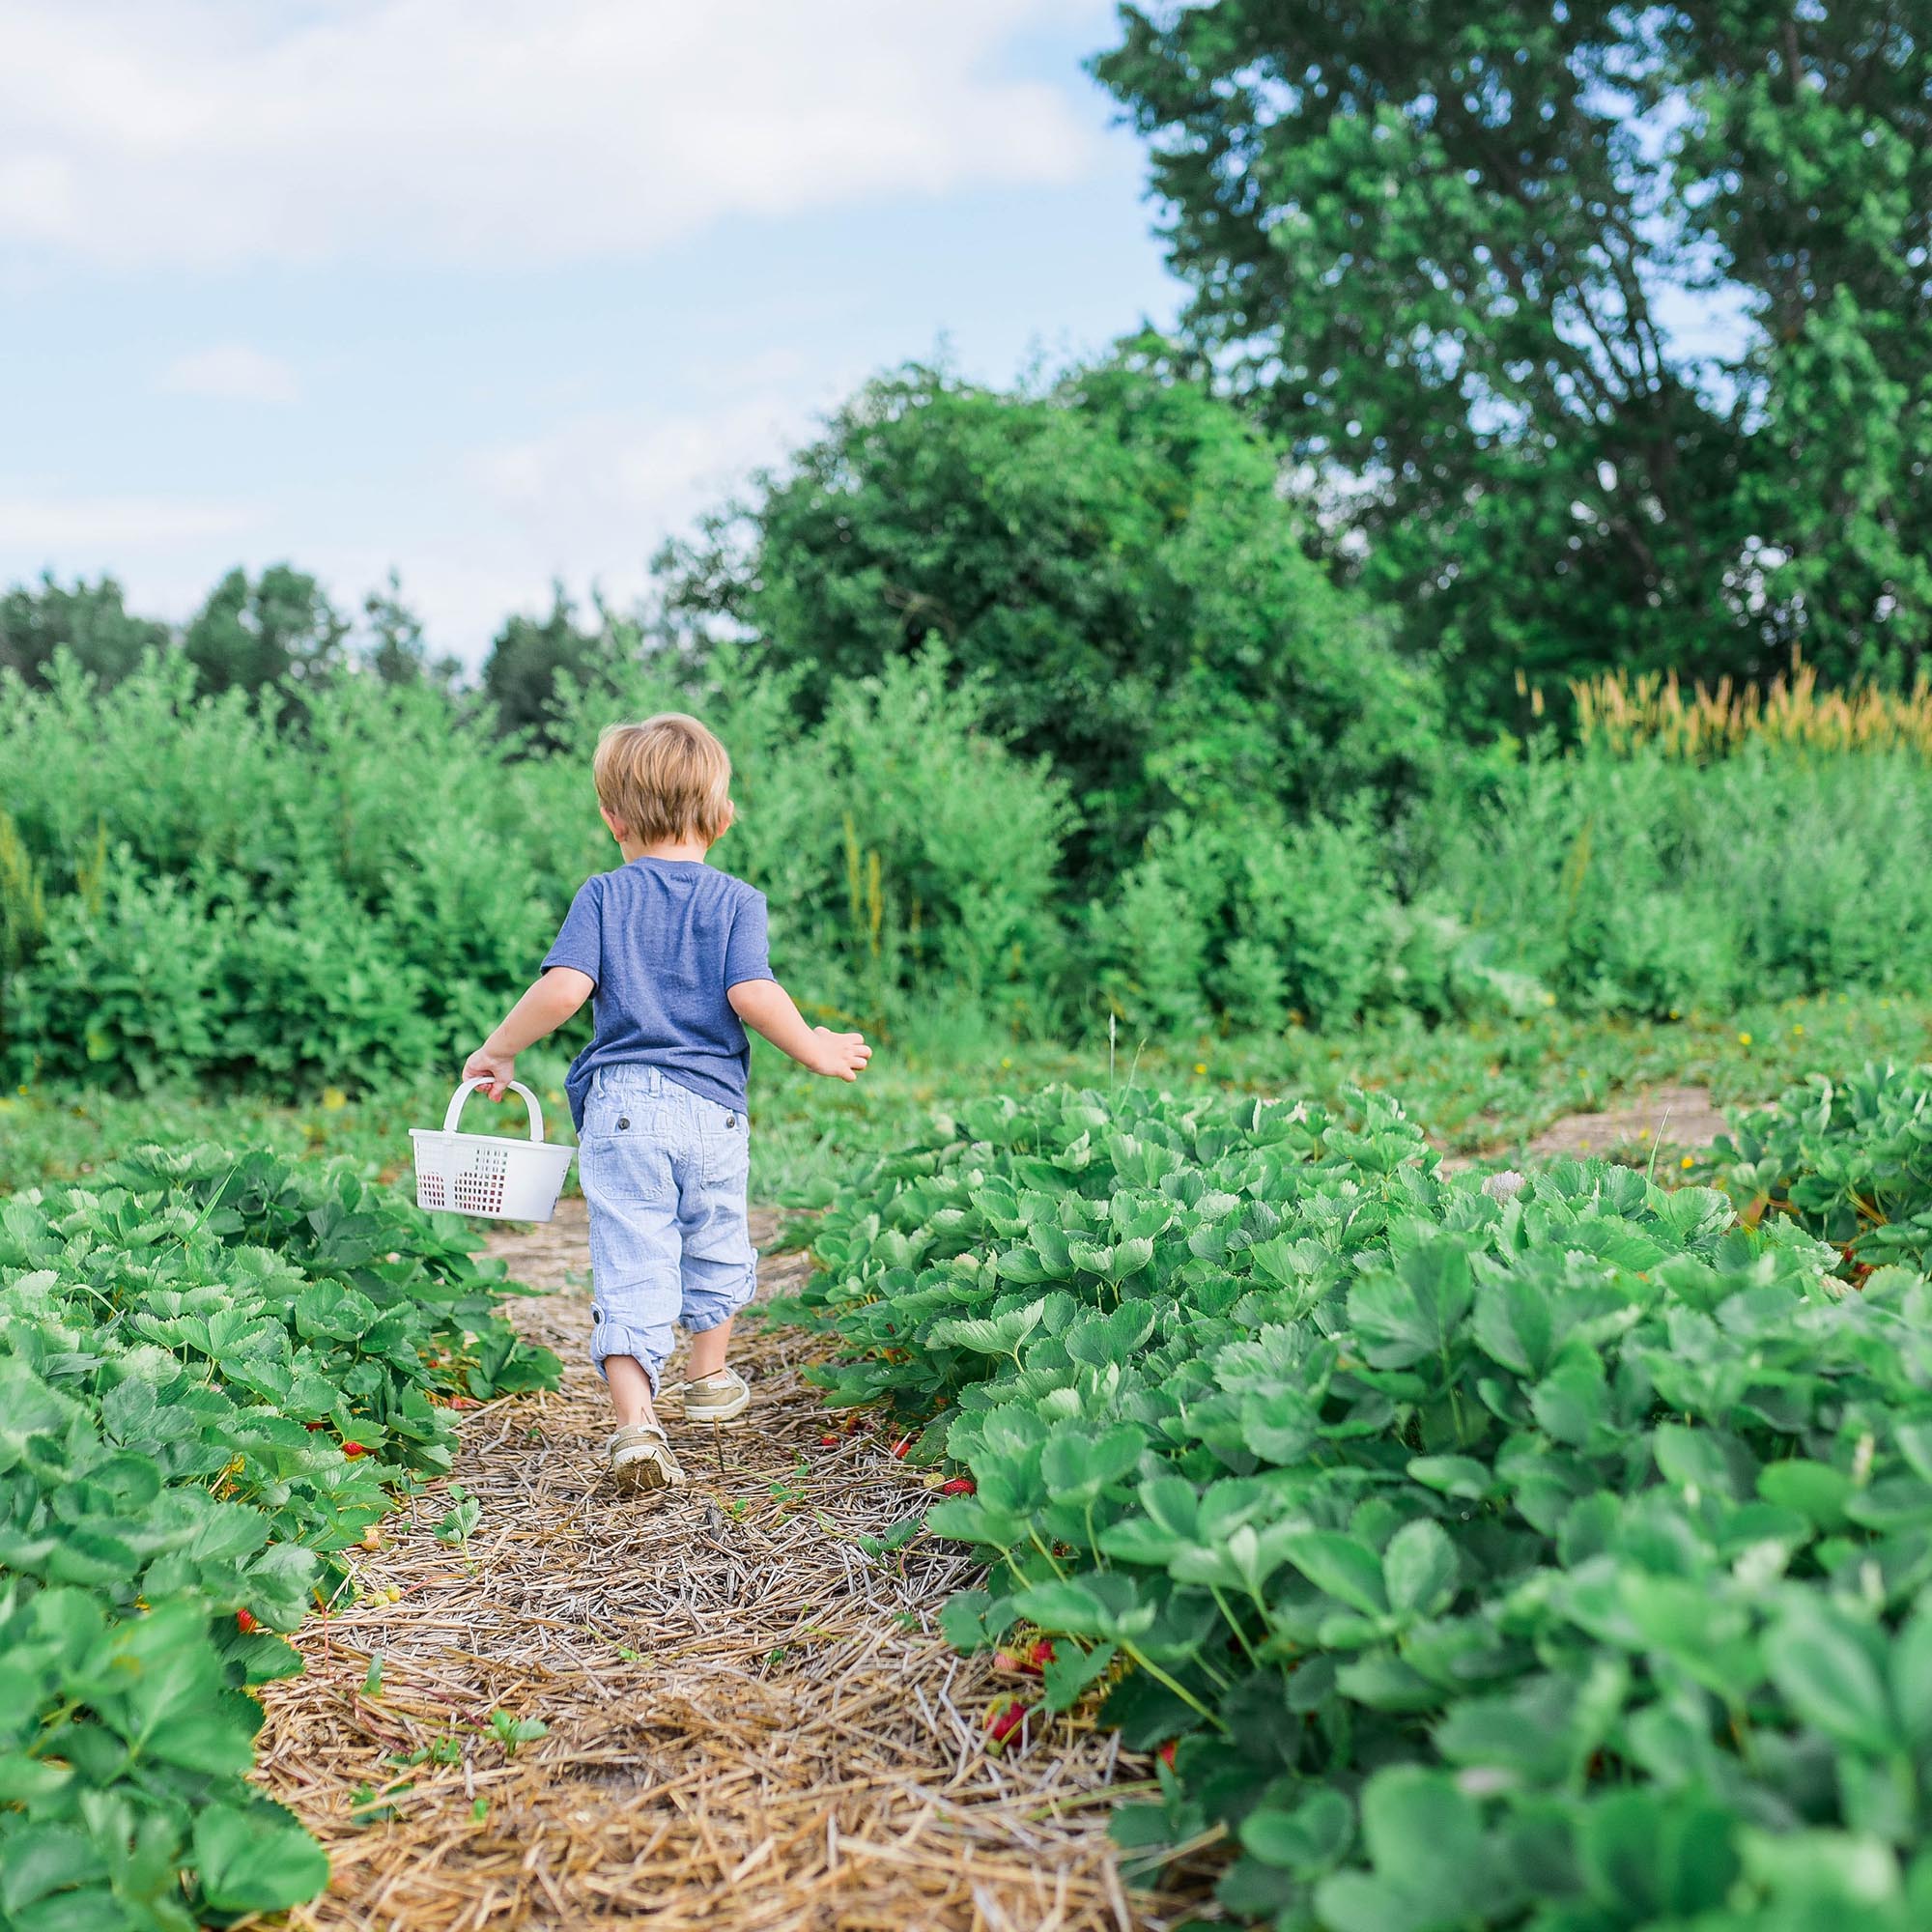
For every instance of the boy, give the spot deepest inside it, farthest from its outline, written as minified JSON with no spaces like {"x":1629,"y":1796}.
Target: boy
{"x":675,"y":953}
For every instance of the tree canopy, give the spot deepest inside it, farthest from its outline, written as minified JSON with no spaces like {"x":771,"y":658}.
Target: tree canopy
{"x":529,"y":654}
{"x":90,"y":620}
{"x":1111,"y":552}
{"x":1454,"y":253}
{"x":278,"y":628}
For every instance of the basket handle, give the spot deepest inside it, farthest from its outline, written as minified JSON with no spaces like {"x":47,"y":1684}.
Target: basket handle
{"x":470,"y":1087}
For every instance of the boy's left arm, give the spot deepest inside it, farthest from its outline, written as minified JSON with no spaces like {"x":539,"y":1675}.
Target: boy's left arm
{"x":545,"y":1008}
{"x":766,"y":1008}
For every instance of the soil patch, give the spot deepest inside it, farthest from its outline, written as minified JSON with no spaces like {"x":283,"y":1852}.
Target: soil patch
{"x":1683,"y":1118}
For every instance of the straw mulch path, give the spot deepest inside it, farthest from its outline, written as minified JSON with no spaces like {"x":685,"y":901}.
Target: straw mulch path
{"x":752,"y":1727}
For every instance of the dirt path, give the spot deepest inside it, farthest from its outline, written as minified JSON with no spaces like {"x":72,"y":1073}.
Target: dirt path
{"x":1684,"y":1118}
{"x":1680,"y":1120}
{"x":752,"y":1726}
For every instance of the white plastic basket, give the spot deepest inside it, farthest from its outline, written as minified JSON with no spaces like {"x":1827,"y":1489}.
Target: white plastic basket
{"x":481,"y":1175}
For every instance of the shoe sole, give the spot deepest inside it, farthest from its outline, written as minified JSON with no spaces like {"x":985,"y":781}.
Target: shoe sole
{"x":644,"y":1475}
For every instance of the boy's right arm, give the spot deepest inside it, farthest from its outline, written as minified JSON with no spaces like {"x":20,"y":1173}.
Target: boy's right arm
{"x":767,"y":1009}
{"x":545,"y":1008}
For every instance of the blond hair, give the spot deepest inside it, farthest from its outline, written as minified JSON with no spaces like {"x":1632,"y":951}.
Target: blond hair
{"x":668,"y":777}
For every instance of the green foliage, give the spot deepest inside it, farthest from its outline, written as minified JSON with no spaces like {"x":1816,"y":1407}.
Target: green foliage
{"x":272,"y":631}
{"x":1850,"y":1159}
{"x":1439,"y":247}
{"x":1552,"y":1554}
{"x":90,"y":621}
{"x":1642,"y":883}
{"x":216,"y":1370}
{"x":530,"y":655}
{"x":1111,"y":553}
{"x":354,"y":892}
{"x":1251,"y":921}
{"x":181,"y":872}
{"x":392,"y":646}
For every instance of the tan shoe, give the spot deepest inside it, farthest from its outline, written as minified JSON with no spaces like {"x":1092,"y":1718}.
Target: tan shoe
{"x":715,"y":1399}
{"x":640,"y":1459}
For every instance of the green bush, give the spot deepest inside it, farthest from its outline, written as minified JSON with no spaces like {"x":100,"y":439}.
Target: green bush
{"x":346,"y":883}
{"x":1490,"y":1553}
{"x":210,"y":890}
{"x":1641,"y":882}
{"x":215,"y":1372}
{"x":1113,"y":552}
{"x":1255,"y":922}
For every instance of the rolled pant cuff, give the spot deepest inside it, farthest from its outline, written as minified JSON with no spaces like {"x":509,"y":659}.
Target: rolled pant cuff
{"x":614,"y":1338}
{"x":714,"y":1307}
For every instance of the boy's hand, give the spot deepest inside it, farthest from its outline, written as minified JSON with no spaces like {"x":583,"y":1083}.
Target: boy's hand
{"x":839,"y":1055}
{"x":498,"y":1070}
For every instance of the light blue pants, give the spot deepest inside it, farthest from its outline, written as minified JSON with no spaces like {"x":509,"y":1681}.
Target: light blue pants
{"x":663,"y":1172}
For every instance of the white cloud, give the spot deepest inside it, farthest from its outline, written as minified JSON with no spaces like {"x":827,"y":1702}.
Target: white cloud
{"x":591,"y":499}
{"x":36,"y":528}
{"x":604,"y":486}
{"x":214,"y":131}
{"x":232,"y":371}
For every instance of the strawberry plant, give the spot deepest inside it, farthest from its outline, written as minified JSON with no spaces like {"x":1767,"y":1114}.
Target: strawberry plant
{"x":1553,"y":1556}
{"x":1850,"y":1159}
{"x":192,"y":1348}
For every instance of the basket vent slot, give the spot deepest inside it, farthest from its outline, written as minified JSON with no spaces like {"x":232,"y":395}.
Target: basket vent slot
{"x":479,"y":1188}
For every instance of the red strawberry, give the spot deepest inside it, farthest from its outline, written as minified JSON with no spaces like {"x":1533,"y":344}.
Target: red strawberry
{"x":245,"y":1622}
{"x":1166,"y":1754}
{"x":1004,"y":1720}
{"x":901,"y":1447}
{"x":312,"y":1426}
{"x":959,"y":1485}
{"x":1042,"y":1653}
{"x":828,"y":1441}
{"x":354,"y":1449}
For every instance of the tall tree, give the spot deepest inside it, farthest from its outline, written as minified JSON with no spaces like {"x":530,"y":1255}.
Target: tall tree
{"x":90,"y":620}
{"x":529,"y":654}
{"x":1450,"y":250}
{"x":1110,"y":552}
{"x":1806,"y":171}
{"x":278,"y":628}
{"x":392,"y":648}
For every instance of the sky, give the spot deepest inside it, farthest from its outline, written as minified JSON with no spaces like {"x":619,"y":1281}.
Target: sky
{"x":492,"y":292}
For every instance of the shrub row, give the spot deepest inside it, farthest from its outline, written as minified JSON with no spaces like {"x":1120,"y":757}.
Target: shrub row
{"x":216,"y":1373}
{"x":347,"y":883}
{"x":1549,"y":1552}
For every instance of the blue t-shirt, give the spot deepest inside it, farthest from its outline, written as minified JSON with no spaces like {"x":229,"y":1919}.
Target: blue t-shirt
{"x":664,"y":939}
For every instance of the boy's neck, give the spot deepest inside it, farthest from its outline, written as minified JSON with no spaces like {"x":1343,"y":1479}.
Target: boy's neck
{"x":689,"y":851}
